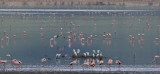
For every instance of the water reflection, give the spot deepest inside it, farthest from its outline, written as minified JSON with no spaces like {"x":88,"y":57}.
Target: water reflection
{"x":95,"y":30}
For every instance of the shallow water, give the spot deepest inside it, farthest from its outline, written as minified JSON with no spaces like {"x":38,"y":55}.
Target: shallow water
{"x":35,"y":45}
{"x":79,"y":68}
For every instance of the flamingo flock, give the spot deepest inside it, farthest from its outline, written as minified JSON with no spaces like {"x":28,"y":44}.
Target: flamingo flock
{"x":93,"y":64}
{"x":72,"y":33}
{"x":14,"y":62}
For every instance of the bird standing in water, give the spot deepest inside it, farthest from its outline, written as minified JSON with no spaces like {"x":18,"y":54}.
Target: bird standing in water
{"x":43,"y":60}
{"x":73,"y":63}
{"x":101,"y":63}
{"x":110,"y":61}
{"x":118,"y":63}
{"x":16,"y":62}
{"x":3,"y":62}
{"x":155,"y":59}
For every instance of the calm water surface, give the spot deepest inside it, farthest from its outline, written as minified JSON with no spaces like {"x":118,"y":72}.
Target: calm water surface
{"x":36,"y":45}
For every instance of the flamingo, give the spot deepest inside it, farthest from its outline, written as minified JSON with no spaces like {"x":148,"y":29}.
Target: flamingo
{"x":43,"y":60}
{"x":155,"y":58}
{"x":7,"y":39}
{"x":24,"y":36}
{"x":2,"y":39}
{"x":118,"y":63}
{"x":50,"y":42}
{"x":16,"y":62}
{"x":87,"y":63}
{"x":73,"y":63}
{"x":110,"y":61}
{"x":3,"y":62}
{"x":5,"y":32}
{"x":14,"y":39}
{"x":101,"y":63}
{"x":92,"y":64}
{"x":139,"y":36}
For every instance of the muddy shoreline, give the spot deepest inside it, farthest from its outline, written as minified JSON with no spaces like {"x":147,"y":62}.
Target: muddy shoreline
{"x":80,"y":72}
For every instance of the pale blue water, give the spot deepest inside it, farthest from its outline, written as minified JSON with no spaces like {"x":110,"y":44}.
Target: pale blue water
{"x":33,"y":48}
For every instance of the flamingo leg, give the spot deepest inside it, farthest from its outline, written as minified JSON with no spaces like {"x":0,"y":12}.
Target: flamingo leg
{"x":119,"y":67}
{"x":109,"y":68}
{"x":4,"y":66}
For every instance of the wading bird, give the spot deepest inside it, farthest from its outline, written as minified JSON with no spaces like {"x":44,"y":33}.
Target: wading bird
{"x":110,"y":61}
{"x":73,"y":63}
{"x":43,"y":60}
{"x":3,"y":62}
{"x":155,"y":59}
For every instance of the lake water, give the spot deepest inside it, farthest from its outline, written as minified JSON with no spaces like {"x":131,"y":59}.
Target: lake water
{"x":41,"y":25}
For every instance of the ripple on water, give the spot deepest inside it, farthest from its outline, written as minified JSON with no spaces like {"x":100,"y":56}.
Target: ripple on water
{"x":79,"y":68}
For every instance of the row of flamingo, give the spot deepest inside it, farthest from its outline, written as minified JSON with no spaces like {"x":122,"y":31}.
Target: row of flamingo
{"x":14,"y":62}
{"x":82,"y":38}
{"x":92,"y":63}
{"x":85,"y":64}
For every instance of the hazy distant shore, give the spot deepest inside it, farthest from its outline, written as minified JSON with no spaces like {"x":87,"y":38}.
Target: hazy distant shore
{"x":79,"y":72}
{"x":95,"y":4}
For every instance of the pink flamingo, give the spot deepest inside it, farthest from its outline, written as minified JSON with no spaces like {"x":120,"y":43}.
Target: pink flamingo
{"x":108,"y":35}
{"x":157,"y":41}
{"x":3,"y":62}
{"x":110,"y":61}
{"x":101,"y":63}
{"x":7,"y":39}
{"x":82,"y":41}
{"x":132,"y":40}
{"x":69,"y":41}
{"x":14,"y":39}
{"x":24,"y":36}
{"x":5,"y":32}
{"x":118,"y":63}
{"x":142,"y":35}
{"x":92,"y":64}
{"x":95,"y":26}
{"x":73,"y":63}
{"x":50,"y":42}
{"x":16,"y":62}
{"x":87,"y":63}
{"x":155,"y":59}
{"x":43,"y":60}
{"x":2,"y":45}
{"x":148,"y":27}
{"x":139,"y":36}
{"x":74,"y":35}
